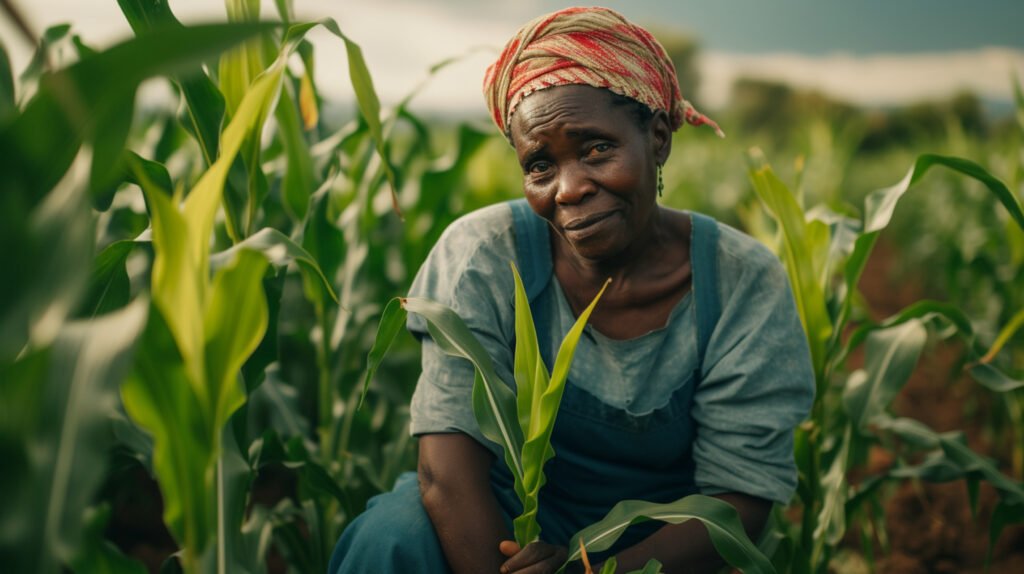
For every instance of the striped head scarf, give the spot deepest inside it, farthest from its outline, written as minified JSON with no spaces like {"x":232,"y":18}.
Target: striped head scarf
{"x":592,"y":46}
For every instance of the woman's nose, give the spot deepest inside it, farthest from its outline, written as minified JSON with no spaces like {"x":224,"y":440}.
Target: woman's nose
{"x":574,"y":185}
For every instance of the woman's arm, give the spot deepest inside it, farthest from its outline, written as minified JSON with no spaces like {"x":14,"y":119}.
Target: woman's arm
{"x":687,"y":547}
{"x":455,"y":485}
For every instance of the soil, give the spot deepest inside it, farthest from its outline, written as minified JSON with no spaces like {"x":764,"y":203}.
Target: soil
{"x":930,"y":527}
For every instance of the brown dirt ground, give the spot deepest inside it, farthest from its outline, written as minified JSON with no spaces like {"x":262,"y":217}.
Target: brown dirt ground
{"x":930,"y":526}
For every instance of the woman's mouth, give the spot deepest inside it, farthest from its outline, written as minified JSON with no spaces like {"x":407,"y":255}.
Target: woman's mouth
{"x":586,"y":221}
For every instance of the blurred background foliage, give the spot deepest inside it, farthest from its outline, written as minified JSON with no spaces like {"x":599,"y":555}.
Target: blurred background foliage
{"x":131,"y":232}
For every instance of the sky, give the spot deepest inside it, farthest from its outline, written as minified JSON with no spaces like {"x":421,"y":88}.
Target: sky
{"x":867,"y":52}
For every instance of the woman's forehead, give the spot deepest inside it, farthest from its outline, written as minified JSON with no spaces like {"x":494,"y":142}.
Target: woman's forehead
{"x":554,"y":108}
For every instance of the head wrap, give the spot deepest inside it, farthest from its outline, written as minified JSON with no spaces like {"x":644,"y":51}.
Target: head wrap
{"x":592,"y":46}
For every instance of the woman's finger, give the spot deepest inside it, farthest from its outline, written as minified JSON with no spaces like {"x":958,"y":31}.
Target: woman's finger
{"x":536,"y":558}
{"x":547,"y":566}
{"x":509,"y":548}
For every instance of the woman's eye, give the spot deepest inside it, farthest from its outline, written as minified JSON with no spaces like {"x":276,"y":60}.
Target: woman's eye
{"x":600,"y":148}
{"x":539,"y":167}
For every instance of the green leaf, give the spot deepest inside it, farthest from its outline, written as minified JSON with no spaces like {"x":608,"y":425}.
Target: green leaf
{"x":925,"y":311}
{"x":1004,"y":515}
{"x":391,"y":322}
{"x":799,"y":259}
{"x":38,"y":146}
{"x":280,"y":251}
{"x":109,"y":287}
{"x":1005,"y":334}
{"x":159,"y":398}
{"x":7,"y":98}
{"x":494,"y":403}
{"x":107,"y":149}
{"x":299,"y":178}
{"x":994,"y":379}
{"x":950,"y":459}
{"x":178,"y":286}
{"x":719,"y":517}
{"x":366,"y":99}
{"x":56,"y":437}
{"x":890,"y":357}
{"x":50,"y":264}
{"x":652,"y":567}
{"x":147,"y":174}
{"x":831,"y":523}
{"x":204,"y":104}
{"x":538,"y":399}
{"x":202,"y":203}
{"x":880,"y":204}
{"x":235,"y":552}
{"x":234,"y":322}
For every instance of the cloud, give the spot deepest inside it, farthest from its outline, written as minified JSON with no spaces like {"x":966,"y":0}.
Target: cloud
{"x":401,"y":39}
{"x":884,"y":79}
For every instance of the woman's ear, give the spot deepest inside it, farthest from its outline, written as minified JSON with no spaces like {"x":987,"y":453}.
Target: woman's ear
{"x":660,"y":130}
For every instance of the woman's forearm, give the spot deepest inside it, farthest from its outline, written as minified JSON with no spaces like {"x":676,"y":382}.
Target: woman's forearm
{"x":687,"y":547}
{"x":455,"y":486}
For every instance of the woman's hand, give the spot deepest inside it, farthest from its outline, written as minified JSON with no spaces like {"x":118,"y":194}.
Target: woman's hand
{"x":537,"y":558}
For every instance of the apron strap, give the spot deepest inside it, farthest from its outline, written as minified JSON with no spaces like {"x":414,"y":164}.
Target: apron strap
{"x":704,"y":262}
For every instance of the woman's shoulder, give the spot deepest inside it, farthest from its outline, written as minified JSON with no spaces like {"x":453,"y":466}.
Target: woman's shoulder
{"x":742,"y":258}
{"x":473,"y":249}
{"x":482,"y":226}
{"x":738,"y":248}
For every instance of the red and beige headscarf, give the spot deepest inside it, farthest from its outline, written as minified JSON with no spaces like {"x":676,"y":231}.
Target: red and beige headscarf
{"x":592,"y":46}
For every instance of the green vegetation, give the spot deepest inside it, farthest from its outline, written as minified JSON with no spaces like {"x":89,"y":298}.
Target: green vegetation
{"x":191,"y":295}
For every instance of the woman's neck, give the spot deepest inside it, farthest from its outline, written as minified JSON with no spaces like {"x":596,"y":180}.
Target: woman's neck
{"x":647,"y":278}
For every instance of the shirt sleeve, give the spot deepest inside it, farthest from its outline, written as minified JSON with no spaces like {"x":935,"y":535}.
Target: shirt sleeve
{"x":467,"y":270}
{"x":758,"y":380}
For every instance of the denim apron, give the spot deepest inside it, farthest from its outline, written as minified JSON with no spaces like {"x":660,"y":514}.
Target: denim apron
{"x":603,"y":454}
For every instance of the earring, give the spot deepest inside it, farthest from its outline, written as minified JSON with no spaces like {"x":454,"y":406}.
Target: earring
{"x":661,"y":183}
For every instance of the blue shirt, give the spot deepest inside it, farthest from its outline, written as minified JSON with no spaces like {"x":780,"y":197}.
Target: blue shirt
{"x":757,"y":382}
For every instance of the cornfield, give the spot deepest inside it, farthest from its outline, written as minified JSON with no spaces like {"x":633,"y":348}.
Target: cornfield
{"x":189,"y":317}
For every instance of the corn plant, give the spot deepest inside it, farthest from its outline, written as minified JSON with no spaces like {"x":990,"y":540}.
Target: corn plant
{"x":211,"y":335}
{"x":825,"y":254}
{"x":62,"y":150}
{"x":522,"y":423}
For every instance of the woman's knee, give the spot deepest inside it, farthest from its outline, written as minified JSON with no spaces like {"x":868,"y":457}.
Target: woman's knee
{"x":393,"y":535}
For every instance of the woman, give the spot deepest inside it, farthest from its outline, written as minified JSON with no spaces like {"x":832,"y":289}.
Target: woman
{"x":694,"y":368}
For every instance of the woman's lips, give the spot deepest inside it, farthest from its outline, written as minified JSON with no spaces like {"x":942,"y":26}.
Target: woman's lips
{"x":586,"y":221}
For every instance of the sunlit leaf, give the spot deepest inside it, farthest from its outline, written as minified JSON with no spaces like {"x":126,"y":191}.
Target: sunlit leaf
{"x":720,"y":518}
{"x":233,"y":325}
{"x":537,"y":401}
{"x":799,"y":259}
{"x":494,"y":403}
{"x":280,"y":251}
{"x":392,"y":320}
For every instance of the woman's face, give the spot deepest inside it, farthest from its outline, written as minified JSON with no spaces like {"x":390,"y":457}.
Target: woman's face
{"x":589,"y":168}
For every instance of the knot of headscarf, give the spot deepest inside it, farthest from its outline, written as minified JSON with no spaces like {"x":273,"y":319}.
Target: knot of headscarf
{"x":592,"y":46}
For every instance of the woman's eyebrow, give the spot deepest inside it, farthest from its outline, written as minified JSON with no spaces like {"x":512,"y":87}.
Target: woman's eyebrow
{"x":588,"y":133}
{"x":533,"y":154}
